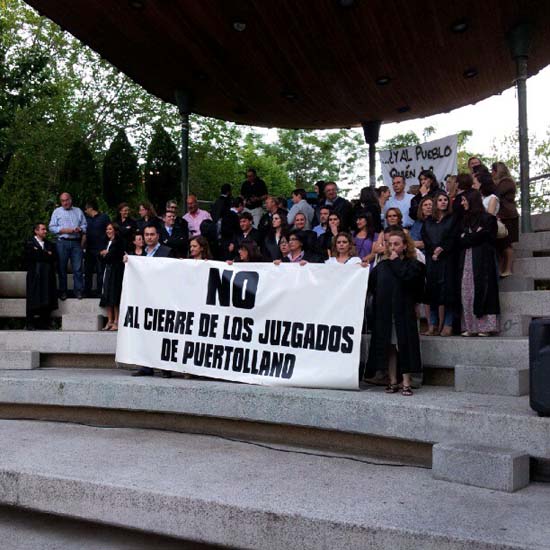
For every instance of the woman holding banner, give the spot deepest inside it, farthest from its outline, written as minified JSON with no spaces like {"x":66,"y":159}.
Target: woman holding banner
{"x":397,"y":285}
{"x":343,"y":250}
{"x":199,"y":248}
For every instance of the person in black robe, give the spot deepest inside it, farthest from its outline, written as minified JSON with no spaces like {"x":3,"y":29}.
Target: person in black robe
{"x":112,"y":257}
{"x":439,"y":235}
{"x":397,"y":285}
{"x":478,"y":268}
{"x":41,"y":291}
{"x":127,"y":225}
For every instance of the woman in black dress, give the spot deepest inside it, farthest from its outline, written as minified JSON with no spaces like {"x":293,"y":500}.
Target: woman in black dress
{"x":127,"y":225}
{"x":277,"y":230}
{"x":397,"y":285}
{"x":439,"y":237}
{"x":112,"y":257}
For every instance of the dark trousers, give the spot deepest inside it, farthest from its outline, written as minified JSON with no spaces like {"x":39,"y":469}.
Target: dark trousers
{"x":93,"y":264}
{"x":39,"y":318}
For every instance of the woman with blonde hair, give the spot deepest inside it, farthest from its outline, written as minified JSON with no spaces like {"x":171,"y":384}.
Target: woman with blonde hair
{"x":397,"y":285}
{"x":507,"y":214}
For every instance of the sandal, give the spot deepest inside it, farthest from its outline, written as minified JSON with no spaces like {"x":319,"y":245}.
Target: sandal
{"x":432,"y":331}
{"x":114,"y":327}
{"x":392,"y":388}
{"x":467,"y":334}
{"x":447,"y":331}
{"x":484,"y":334}
{"x":406,"y":391}
{"x":107,"y":326}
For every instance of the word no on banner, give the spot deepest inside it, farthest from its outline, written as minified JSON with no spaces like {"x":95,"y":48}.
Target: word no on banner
{"x":286,"y":325}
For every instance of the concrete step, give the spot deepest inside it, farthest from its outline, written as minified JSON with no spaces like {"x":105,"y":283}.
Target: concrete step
{"x":59,"y":342}
{"x":516,"y":283}
{"x":535,"y":303}
{"x":432,"y":415}
{"x":534,"y":241}
{"x":436,"y":351}
{"x":540,"y":222}
{"x":492,"y":351}
{"x":22,"y":529}
{"x":15,"y":307}
{"x":238,"y":494}
{"x":13,"y":283}
{"x":535,"y":268}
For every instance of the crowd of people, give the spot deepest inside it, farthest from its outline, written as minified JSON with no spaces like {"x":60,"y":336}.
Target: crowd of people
{"x":435,"y":250}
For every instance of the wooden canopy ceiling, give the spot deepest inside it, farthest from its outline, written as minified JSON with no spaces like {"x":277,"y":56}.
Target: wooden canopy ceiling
{"x":310,"y":63}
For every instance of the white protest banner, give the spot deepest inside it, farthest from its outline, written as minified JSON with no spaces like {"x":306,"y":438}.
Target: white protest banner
{"x":286,"y":325}
{"x":438,"y":156}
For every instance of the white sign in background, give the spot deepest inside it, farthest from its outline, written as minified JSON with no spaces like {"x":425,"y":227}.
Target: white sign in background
{"x":438,"y":156}
{"x":300,"y":327}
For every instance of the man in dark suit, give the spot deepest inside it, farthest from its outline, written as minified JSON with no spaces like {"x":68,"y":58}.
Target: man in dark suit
{"x":222,"y":204}
{"x":173,"y":236}
{"x":246,"y":232}
{"x":41,"y":285}
{"x":229,"y":228}
{"x":339,"y":205}
{"x":154,"y":249}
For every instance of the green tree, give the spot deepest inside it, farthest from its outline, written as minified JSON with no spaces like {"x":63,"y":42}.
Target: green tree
{"x":80,"y":176}
{"x":408,"y":139}
{"x":162,"y":169}
{"x":120,"y":171}
{"x":24,"y":200}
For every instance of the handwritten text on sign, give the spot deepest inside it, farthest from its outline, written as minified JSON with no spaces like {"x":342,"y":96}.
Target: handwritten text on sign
{"x":438,"y":156}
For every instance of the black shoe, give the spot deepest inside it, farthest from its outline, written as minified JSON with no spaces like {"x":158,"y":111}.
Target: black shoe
{"x":78,"y":295}
{"x":145,"y":371}
{"x":30,"y":327}
{"x":63,"y":296}
{"x":166,"y":374}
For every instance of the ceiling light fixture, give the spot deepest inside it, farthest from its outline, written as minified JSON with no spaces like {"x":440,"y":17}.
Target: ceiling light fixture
{"x":460,"y":26}
{"x":403,"y":109}
{"x":470,"y":72}
{"x":383,"y":80}
{"x":137,"y":4}
{"x":239,"y":26}
{"x":291,"y":96}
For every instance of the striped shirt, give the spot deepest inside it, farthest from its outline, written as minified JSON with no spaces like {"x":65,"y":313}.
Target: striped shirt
{"x":63,"y":218}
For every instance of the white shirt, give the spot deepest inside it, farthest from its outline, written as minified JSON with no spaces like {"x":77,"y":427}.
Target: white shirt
{"x":349,"y":261}
{"x":487,"y":200}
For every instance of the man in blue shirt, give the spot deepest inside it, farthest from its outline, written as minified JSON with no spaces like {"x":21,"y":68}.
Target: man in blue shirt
{"x":69,"y":225}
{"x":400,"y":199}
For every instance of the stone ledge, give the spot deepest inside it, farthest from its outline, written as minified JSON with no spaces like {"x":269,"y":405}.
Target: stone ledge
{"x":535,"y":268}
{"x":19,"y":360}
{"x":432,"y":415}
{"x":230,"y":493}
{"x":492,"y":380}
{"x":87,"y":323}
{"x":15,"y":307}
{"x":481,"y":466}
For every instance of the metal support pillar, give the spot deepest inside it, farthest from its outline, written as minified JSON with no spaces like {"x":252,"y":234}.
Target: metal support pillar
{"x":519,"y":39}
{"x":184,"y":107}
{"x":371,"y":130}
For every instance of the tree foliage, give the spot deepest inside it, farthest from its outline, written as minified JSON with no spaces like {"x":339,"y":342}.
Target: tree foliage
{"x":80,"y":176}
{"x":120,"y":171}
{"x":162,"y":170}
